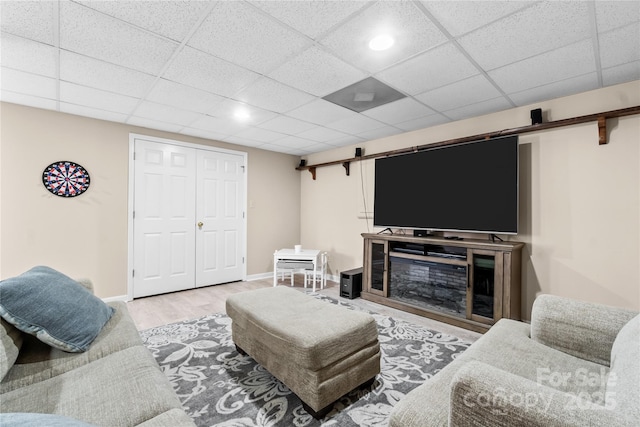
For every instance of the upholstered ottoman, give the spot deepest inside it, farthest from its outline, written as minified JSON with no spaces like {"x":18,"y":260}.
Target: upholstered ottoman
{"x":319,"y":350}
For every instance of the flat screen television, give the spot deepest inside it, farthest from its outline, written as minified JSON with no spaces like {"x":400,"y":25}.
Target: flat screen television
{"x":470,"y":187}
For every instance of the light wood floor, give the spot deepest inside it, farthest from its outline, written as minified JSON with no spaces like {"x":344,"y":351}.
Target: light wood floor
{"x":168,"y":308}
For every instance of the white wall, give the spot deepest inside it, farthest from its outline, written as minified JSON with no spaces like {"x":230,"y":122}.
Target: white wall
{"x":579,"y":202}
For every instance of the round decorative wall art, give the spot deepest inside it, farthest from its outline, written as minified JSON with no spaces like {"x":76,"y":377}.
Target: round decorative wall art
{"x":65,"y":179}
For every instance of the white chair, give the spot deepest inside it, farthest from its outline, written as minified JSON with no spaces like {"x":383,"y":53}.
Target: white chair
{"x":321,"y":272}
{"x":288,"y":268}
{"x":284,"y":270}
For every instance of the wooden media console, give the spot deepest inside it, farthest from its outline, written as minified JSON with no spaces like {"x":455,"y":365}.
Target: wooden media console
{"x":469,"y":283}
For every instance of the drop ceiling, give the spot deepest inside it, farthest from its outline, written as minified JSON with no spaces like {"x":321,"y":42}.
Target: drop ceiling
{"x":188,"y":66}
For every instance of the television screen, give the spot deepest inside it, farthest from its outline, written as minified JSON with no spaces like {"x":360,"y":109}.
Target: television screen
{"x":465,"y":187}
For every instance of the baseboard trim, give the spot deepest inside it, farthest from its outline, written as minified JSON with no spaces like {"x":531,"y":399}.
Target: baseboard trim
{"x":123,"y":298}
{"x":259,"y":276}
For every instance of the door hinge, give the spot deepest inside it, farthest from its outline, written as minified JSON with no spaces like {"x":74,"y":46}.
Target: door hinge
{"x":242,"y":214}
{"x":243,"y":260}
{"x":133,"y":273}
{"x":242,"y":169}
{"x":134,"y":214}
{"x":134,"y":155}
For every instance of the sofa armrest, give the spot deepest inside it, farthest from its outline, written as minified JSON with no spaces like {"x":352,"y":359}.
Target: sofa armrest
{"x":483,"y":395}
{"x":582,"y":329}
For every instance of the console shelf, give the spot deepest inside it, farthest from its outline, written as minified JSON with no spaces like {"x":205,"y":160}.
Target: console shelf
{"x":469,"y":283}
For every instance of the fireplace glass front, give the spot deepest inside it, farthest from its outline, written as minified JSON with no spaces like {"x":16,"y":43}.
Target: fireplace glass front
{"x":430,"y":285}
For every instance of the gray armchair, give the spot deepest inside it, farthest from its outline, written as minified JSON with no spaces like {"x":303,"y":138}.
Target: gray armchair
{"x":577,"y":364}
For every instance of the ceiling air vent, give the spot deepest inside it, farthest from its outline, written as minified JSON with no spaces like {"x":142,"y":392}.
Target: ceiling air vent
{"x":364,"y":95}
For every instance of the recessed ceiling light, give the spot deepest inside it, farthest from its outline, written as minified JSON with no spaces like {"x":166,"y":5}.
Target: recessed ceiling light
{"x":241,"y":114}
{"x":381,"y":42}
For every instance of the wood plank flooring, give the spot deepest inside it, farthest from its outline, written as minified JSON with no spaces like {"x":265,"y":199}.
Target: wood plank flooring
{"x":168,"y":308}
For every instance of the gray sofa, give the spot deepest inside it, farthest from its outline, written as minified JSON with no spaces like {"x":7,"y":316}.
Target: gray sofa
{"x":576,"y":364}
{"x":116,"y":382}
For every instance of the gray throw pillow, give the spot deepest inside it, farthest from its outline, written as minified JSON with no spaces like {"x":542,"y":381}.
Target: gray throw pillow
{"x":53,"y":307}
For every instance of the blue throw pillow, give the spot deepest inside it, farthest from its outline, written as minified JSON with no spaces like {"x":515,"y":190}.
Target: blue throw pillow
{"x":53,"y":307}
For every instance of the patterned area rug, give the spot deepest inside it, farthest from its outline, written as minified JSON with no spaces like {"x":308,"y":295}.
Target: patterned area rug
{"x":219,"y":387}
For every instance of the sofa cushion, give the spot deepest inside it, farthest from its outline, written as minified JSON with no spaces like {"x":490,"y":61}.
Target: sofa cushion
{"x":122,"y":389}
{"x":38,"y":361}
{"x":39,"y":420}
{"x":53,"y":307}
{"x":10,"y":343}
{"x":623,"y":389}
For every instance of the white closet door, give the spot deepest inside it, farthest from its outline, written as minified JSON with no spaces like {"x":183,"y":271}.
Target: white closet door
{"x":220,"y":218}
{"x":164,"y":218}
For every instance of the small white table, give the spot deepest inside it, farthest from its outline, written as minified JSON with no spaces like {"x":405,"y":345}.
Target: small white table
{"x":290,"y":255}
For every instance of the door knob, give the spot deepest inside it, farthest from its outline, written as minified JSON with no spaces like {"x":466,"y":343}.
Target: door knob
{"x":200,"y":224}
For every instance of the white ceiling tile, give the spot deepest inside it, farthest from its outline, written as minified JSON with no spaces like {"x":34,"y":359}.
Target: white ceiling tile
{"x":173,"y":19}
{"x":460,"y":17}
{"x":272,"y":95}
{"x":412,"y":31}
{"x":620,"y":46}
{"x":380,"y":133}
{"x":317,"y":72}
{"x":243,"y":141}
{"x":218,"y":125}
{"x":347,"y":140}
{"x":321,"y":112}
{"x":279,"y":148}
{"x":239,"y":33}
{"x":423,"y":122}
{"x":184,"y":97}
{"x":469,"y":91}
{"x":27,"y":55}
{"x":154,"y":124}
{"x":95,"y":113}
{"x":166,"y":113}
{"x":28,"y":84}
{"x":203,"y":71}
{"x":356,"y":124}
{"x":398,"y":111}
{"x":479,"y":109}
{"x":435,"y":68}
{"x":28,"y":100}
{"x":200,"y":133}
{"x":287,"y":125}
{"x":559,"y":64}
{"x":94,"y":98}
{"x":312,"y":18}
{"x":30,"y":19}
{"x":91,"y":72}
{"x":621,"y":73}
{"x":322,"y":134}
{"x":532,"y":31}
{"x":316,"y":148}
{"x":555,"y":90}
{"x":91,"y":33}
{"x":260,"y":135}
{"x":614,"y":14}
{"x":227,"y":109}
{"x":294,"y":142}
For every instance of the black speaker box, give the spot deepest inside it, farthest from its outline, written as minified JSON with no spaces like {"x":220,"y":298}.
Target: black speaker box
{"x":351,"y":283}
{"x":358,"y":152}
{"x":536,"y":116}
